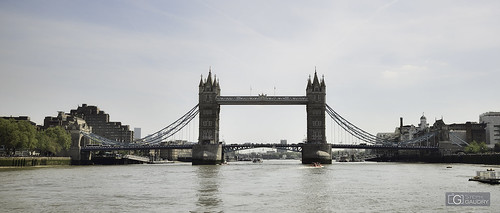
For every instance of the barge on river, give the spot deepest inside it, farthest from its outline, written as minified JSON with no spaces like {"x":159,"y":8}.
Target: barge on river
{"x":488,"y":176}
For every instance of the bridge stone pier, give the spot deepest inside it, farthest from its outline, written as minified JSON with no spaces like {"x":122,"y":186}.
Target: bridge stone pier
{"x":207,"y":154}
{"x":209,"y":150}
{"x":77,"y":142}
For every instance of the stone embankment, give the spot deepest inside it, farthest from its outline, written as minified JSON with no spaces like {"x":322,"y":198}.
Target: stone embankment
{"x":33,"y":161}
{"x":487,"y":158}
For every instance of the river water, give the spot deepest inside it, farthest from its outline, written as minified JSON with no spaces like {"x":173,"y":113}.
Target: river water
{"x":271,"y":186}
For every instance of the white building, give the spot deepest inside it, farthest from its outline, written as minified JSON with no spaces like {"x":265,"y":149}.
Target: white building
{"x":492,"y":121}
{"x":405,"y":132}
{"x":423,"y":123}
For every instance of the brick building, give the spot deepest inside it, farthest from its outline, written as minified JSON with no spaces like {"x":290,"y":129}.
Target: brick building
{"x":99,"y":121}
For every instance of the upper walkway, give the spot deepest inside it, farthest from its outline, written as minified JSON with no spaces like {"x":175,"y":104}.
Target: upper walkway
{"x":262,"y":100}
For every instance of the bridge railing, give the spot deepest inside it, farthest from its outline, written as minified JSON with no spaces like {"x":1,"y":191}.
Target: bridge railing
{"x":99,"y":139}
{"x":262,"y":100}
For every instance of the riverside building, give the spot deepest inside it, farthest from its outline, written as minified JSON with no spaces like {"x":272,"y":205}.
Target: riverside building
{"x":492,"y":121}
{"x":99,"y":121}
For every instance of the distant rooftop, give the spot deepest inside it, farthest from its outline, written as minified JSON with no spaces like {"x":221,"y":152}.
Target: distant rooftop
{"x":491,"y":114}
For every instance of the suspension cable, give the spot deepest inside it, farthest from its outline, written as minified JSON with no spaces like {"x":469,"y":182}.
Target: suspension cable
{"x":154,"y":138}
{"x":351,"y":128}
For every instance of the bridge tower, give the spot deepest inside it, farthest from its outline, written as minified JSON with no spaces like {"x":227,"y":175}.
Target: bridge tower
{"x":316,"y":148}
{"x":78,"y":141}
{"x":208,"y":150}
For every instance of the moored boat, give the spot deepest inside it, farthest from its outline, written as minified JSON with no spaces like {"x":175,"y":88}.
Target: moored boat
{"x":488,"y":176}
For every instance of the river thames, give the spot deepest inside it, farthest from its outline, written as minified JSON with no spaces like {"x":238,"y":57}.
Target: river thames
{"x":271,"y":186}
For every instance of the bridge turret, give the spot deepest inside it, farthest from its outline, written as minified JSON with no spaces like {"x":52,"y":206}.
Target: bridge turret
{"x":201,"y":83}
{"x":323,"y":85}
{"x":309,"y":83}
{"x":316,"y":148}
{"x":316,"y":106}
{"x":316,"y":85}
{"x":208,"y":150}
{"x":209,"y":110}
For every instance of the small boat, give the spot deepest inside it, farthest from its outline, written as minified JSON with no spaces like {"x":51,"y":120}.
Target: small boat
{"x":488,"y":176}
{"x":160,"y":162}
{"x":257,"y":160}
{"x":316,"y":165}
{"x":449,"y":167}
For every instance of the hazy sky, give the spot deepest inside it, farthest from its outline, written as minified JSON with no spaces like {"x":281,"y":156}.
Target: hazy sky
{"x":141,"y":61}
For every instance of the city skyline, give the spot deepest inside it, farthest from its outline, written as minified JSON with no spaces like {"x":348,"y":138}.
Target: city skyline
{"x":141,"y":62}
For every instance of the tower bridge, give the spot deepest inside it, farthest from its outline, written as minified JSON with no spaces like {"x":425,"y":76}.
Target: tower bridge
{"x":209,"y":149}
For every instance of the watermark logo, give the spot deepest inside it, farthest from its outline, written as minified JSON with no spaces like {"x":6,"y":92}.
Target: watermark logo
{"x":467,"y":198}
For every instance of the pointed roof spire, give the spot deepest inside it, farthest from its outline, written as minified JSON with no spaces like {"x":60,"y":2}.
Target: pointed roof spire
{"x":201,"y":81}
{"x":315,"y":81}
{"x":209,"y":78}
{"x":309,"y":84}
{"x":323,"y":81}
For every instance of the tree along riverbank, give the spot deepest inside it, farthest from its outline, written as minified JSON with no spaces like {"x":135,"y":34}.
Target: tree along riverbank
{"x":33,"y":161}
{"x":485,"y":158}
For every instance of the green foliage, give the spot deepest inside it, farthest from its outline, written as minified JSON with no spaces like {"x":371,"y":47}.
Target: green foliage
{"x":28,"y":134}
{"x":497,"y":147}
{"x":44,"y":143}
{"x":476,"y":147}
{"x":17,"y":134}
{"x":53,"y":140}
{"x":22,"y":135}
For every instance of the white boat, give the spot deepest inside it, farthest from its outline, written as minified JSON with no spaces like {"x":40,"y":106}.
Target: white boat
{"x":488,"y":176}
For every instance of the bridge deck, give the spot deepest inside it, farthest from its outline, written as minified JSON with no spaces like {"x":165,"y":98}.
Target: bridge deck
{"x":295,"y":147}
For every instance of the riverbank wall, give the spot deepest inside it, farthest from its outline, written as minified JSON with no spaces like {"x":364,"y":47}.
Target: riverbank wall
{"x":493,"y":159}
{"x":490,"y":158}
{"x":113,"y":161}
{"x":33,"y":161}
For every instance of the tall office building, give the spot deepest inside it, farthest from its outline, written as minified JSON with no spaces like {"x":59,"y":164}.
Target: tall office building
{"x":284,"y":142}
{"x":137,"y":133}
